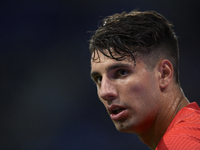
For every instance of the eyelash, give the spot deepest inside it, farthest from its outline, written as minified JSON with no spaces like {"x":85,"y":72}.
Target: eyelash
{"x":118,"y":73}
{"x":98,"y":79}
{"x":121,"y":72}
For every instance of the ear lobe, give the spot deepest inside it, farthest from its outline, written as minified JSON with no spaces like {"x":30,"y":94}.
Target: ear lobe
{"x":166,"y":73}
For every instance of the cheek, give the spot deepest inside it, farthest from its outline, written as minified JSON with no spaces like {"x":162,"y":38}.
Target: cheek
{"x":134,"y":87}
{"x":98,"y":94}
{"x":140,"y":92}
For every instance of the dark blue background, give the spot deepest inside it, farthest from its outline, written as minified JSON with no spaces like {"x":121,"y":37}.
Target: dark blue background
{"x":47,"y":100}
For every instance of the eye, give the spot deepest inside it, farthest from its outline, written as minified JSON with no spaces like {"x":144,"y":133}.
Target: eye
{"x":98,"y":79}
{"x":122,"y":72}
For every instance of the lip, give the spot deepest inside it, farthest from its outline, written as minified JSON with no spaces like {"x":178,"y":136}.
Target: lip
{"x":121,"y":115}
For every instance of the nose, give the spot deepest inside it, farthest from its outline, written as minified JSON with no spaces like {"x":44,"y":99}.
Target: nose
{"x":107,"y":91}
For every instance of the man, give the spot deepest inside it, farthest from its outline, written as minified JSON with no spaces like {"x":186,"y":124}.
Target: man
{"x":134,"y":63}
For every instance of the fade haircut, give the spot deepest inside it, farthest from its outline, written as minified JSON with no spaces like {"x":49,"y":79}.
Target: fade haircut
{"x":144,"y":34}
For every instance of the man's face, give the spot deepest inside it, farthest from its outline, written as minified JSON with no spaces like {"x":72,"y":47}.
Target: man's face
{"x":129,"y":93}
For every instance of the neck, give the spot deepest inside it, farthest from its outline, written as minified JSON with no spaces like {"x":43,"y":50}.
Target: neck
{"x":170,"y":107}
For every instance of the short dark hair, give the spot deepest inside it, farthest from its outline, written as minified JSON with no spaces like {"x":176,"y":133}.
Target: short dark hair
{"x":148,"y":34}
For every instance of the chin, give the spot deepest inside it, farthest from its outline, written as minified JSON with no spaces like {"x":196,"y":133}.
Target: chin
{"x":124,"y":128}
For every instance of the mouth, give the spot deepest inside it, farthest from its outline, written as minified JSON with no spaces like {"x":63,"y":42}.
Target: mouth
{"x":117,"y":112}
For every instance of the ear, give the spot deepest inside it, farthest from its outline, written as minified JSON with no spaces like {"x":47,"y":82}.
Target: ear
{"x":166,"y":72}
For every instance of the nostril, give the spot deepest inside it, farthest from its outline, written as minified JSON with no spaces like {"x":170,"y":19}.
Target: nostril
{"x":109,"y":96}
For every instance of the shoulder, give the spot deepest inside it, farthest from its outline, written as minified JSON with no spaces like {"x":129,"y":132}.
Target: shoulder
{"x":184,"y":131}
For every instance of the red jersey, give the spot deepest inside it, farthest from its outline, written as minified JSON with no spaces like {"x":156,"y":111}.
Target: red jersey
{"x":183,"y":132}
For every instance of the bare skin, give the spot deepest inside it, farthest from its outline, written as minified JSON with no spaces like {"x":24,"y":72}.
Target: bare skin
{"x":138,"y":100}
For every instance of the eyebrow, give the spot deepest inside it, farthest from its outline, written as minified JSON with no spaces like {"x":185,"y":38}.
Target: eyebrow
{"x":112,"y":67}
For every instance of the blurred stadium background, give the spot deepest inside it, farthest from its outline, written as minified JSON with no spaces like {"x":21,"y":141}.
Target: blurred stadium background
{"x":47,"y":100}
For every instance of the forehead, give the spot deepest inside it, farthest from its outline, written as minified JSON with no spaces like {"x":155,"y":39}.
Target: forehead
{"x":98,"y":56}
{"x":99,"y":60}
